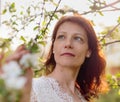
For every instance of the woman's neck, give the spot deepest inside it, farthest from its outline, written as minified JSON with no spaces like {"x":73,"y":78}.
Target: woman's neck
{"x":65,"y":76}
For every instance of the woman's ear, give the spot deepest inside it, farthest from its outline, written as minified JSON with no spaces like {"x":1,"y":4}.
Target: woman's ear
{"x":53,"y":51}
{"x":88,"y":53}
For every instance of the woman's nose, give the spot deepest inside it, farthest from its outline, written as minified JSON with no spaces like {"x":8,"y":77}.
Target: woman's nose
{"x":68,"y":43}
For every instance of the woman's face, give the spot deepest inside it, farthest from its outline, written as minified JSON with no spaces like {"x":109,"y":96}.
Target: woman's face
{"x":71,"y":45}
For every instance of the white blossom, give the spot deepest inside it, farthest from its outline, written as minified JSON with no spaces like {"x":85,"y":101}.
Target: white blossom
{"x":12,"y":75}
{"x":12,"y":69}
{"x":15,"y":82}
{"x":29,"y":60}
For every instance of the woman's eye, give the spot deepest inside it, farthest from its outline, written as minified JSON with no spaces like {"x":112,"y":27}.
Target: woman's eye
{"x":78,"y":38}
{"x":61,"y":37}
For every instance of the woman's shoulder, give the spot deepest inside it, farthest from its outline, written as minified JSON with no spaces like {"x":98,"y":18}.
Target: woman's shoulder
{"x":44,"y":86}
{"x":43,"y":82}
{"x":44,"y":89}
{"x":40,"y":81}
{"x":41,"y":86}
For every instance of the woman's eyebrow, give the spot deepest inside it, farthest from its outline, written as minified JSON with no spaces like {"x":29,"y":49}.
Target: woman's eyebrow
{"x":79,"y":33}
{"x":62,"y":32}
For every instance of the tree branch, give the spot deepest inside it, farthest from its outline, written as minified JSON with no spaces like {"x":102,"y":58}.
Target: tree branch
{"x":116,"y":9}
{"x":111,"y":4}
{"x":50,"y":19}
{"x":110,"y":32}
{"x":116,"y":41}
{"x":102,"y":7}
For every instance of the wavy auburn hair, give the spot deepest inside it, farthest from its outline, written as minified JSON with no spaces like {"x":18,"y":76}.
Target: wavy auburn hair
{"x":90,"y":74}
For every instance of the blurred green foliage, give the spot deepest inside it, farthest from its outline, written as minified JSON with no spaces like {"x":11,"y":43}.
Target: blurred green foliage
{"x":27,"y":16}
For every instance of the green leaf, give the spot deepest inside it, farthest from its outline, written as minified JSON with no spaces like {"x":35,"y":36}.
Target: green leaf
{"x":54,"y":3}
{"x":42,"y":43}
{"x":23,"y":39}
{"x":21,"y":13}
{"x":4,"y":11}
{"x":118,"y":20}
{"x":100,"y":13}
{"x":14,"y":23}
{"x":104,"y":32}
{"x":56,"y":16}
{"x":31,"y":20}
{"x":36,"y":27}
{"x":12,"y":8}
{"x":28,"y":10}
{"x":44,"y":23}
{"x":34,"y":48}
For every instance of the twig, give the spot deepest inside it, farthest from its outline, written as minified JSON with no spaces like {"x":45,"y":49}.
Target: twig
{"x":110,"y":32}
{"x":102,"y":7}
{"x":111,"y":4}
{"x":116,"y":41}
{"x":116,"y":9}
{"x":50,"y":19}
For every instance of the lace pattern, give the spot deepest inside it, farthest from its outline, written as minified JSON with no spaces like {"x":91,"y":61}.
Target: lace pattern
{"x":57,"y":89}
{"x":46,"y":89}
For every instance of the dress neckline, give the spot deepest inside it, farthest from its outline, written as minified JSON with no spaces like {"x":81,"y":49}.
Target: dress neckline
{"x":60,"y":91}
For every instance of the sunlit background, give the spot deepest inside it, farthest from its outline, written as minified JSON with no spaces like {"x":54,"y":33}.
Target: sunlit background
{"x":108,"y":19}
{"x":101,"y":21}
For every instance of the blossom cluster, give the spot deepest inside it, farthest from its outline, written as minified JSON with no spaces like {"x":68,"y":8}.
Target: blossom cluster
{"x":12,"y":79}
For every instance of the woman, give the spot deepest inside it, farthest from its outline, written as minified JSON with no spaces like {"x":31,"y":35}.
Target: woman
{"x":74,"y":61}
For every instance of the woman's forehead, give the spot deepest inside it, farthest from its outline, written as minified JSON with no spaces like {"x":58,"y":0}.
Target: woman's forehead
{"x":71,"y":27}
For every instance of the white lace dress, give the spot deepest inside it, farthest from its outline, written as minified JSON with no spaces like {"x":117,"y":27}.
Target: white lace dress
{"x":46,"y":89}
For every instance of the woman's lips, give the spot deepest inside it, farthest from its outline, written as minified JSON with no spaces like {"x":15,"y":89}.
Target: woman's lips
{"x":68,"y":54}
